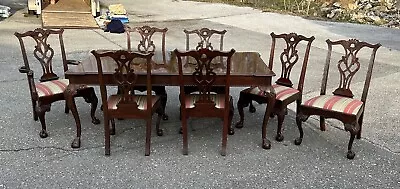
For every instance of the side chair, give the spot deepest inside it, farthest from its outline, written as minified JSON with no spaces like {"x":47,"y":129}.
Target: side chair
{"x":296,"y":50}
{"x":50,"y":87}
{"x":201,"y":70}
{"x":147,"y":45}
{"x":341,"y":105}
{"x":204,"y":38}
{"x":127,"y":104}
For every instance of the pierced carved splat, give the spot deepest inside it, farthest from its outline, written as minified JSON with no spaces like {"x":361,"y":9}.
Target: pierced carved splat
{"x":204,"y":35}
{"x":289,"y":56}
{"x":204,"y":76}
{"x":348,"y":66}
{"x":125,"y":76}
{"x":43,"y":53}
{"x":146,"y":44}
{"x":204,"y":73}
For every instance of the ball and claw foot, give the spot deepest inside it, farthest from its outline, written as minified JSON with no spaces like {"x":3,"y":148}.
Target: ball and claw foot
{"x":231,"y":131}
{"x":350,"y":154}
{"x":298,"y":141}
{"x":252,"y":109}
{"x":279,"y":137}
{"x":160,"y":132}
{"x":43,"y":134}
{"x":95,"y":121}
{"x":165,"y":117}
{"x":266,"y":144}
{"x":76,"y":143}
{"x":239,"y":125}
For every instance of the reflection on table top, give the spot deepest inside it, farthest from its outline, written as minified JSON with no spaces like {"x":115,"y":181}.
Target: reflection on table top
{"x":243,"y":63}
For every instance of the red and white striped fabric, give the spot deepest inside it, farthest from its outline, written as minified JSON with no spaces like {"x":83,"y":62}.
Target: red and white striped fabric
{"x":335,"y":103}
{"x":282,"y":92}
{"x":141,"y":101}
{"x":49,"y":88}
{"x":219,"y":100}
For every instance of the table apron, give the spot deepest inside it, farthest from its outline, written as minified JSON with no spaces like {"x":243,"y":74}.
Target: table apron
{"x":168,"y":80}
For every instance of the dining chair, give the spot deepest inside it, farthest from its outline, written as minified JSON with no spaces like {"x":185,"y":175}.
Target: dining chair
{"x":205,"y":38}
{"x":341,"y":105}
{"x":202,"y":70}
{"x":50,"y":87}
{"x":295,"y":50}
{"x":147,"y":45}
{"x":127,"y":104}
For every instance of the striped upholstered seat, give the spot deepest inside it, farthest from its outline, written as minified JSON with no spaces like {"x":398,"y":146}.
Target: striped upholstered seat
{"x":141,"y":101}
{"x":49,"y":88}
{"x":219,"y":100}
{"x":335,"y":103}
{"x":282,"y":92}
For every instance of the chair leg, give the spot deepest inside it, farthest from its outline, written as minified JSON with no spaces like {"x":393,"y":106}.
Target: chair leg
{"x":300,"y":118}
{"x":69,"y":95}
{"x":360,"y":121}
{"x":252,"y":109}
{"x":281,"y":116}
{"x":112,"y":131}
{"x":231,"y":131}
{"x":163,"y":98}
{"x":148,"y":136}
{"x":66,"y":108}
{"x":350,"y":153}
{"x":225,"y":135}
{"x":322,"y":125}
{"x":185,"y":135}
{"x":242,"y":102}
{"x":107,"y":145}
{"x":160,"y":113}
{"x":90,"y":97}
{"x":35,"y":116}
{"x":266,"y":144}
{"x":41,"y":110}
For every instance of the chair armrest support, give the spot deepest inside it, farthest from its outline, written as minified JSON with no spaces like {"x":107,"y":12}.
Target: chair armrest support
{"x":23,"y":69}
{"x":73,"y":62}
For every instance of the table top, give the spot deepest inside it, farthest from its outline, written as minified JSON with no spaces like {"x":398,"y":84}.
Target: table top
{"x":243,"y":63}
{"x":247,"y":68}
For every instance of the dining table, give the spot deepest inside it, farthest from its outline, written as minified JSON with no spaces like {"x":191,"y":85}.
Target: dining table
{"x":247,"y":69}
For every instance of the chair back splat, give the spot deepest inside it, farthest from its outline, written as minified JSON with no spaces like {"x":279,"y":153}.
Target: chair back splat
{"x":205,"y":35}
{"x":146,"y":43}
{"x":290,"y":56}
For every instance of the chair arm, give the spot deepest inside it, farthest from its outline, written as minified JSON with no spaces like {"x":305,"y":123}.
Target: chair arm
{"x":31,"y":81}
{"x":73,"y":62}
{"x":24,"y":69}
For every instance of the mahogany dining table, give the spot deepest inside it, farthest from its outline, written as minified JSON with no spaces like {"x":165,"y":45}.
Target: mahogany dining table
{"x":247,"y":69}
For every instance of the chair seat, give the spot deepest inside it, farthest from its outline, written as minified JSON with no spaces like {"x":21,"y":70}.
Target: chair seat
{"x":219,"y":100}
{"x":141,"y":101}
{"x":49,"y":88}
{"x":335,"y":103}
{"x":282,"y":92}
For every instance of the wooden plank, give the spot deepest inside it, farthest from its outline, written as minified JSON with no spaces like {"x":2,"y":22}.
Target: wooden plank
{"x":68,"y":6}
{"x":68,"y":20}
{"x":68,"y":14}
